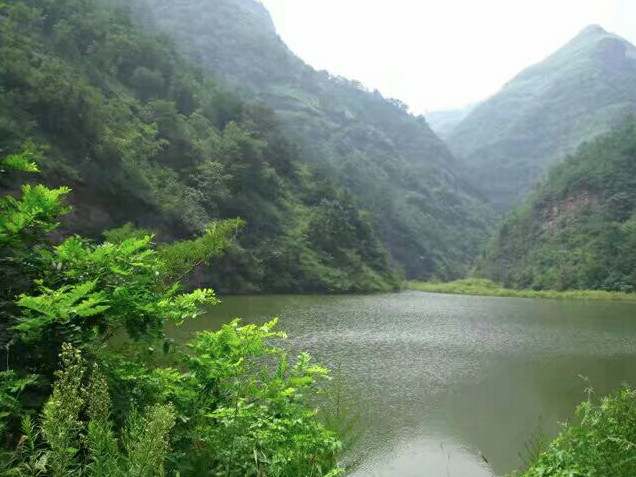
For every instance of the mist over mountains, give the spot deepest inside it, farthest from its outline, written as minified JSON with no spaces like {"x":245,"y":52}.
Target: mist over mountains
{"x":444,"y":122}
{"x":584,"y":89}
{"x":428,"y":214}
{"x":432,"y":198}
{"x":154,"y":153}
{"x":341,"y":187}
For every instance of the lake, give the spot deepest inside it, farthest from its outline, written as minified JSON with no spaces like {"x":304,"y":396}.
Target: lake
{"x":450,"y":385}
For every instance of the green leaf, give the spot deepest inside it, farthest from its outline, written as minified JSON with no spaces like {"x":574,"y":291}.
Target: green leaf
{"x":18,"y":162}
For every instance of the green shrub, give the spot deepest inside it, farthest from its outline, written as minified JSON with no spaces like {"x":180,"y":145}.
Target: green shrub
{"x":234,"y":406}
{"x":64,"y":444}
{"x":602,"y":444}
{"x":250,"y":409}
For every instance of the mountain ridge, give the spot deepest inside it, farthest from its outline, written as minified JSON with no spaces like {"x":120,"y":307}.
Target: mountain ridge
{"x":143,"y":137}
{"x":545,"y":112}
{"x":427,"y":212}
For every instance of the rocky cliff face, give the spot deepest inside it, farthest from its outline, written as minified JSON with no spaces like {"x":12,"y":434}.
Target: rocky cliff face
{"x":569,"y":207}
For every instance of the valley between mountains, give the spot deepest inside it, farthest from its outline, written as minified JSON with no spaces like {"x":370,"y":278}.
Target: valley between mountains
{"x":156,"y":153}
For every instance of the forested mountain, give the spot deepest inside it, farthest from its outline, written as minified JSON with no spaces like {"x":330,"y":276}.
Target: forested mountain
{"x":584,"y":89}
{"x":391,"y":162}
{"x":142,"y":136}
{"x":578,"y":230}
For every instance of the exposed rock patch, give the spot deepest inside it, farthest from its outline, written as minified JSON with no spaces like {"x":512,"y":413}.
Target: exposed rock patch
{"x":570,"y":206}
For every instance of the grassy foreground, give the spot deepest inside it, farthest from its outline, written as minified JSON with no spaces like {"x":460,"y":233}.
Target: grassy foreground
{"x":484,"y":287}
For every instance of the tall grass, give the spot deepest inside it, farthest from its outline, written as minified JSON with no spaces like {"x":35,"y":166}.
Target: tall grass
{"x":484,"y":287}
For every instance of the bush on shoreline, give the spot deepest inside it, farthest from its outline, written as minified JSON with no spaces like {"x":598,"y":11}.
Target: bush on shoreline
{"x":603,"y":443}
{"x":231,"y":404}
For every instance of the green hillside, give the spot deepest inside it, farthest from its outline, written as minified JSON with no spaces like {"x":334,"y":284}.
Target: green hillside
{"x":578,"y":230}
{"x":427,"y":213}
{"x":142,"y":136}
{"x":584,"y":89}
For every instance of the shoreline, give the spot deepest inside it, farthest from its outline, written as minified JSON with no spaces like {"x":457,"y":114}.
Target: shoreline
{"x":483,"y":287}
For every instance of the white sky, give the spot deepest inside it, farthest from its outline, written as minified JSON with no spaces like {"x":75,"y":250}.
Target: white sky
{"x":438,"y":54}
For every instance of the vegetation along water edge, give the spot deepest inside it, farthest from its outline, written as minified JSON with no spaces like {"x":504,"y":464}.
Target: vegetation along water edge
{"x":485,"y":287}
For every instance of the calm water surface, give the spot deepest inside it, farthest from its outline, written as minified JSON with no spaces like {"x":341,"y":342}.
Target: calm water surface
{"x":452,"y":385}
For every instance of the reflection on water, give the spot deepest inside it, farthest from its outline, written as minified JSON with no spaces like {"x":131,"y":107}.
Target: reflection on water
{"x":452,"y":385}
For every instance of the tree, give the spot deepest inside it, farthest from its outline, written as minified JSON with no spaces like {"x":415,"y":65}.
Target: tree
{"x":114,"y":407}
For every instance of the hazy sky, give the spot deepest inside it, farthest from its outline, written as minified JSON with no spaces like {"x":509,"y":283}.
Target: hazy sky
{"x":438,"y":54}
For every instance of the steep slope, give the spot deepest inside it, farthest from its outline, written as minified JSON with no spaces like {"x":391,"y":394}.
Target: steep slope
{"x":142,"y":136}
{"x":578,"y":230}
{"x":581,"y":91}
{"x":392,"y":163}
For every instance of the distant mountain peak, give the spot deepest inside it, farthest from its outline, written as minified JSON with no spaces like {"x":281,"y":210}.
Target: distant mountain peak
{"x":578,"y":92}
{"x":593,"y":30}
{"x":257,"y":12}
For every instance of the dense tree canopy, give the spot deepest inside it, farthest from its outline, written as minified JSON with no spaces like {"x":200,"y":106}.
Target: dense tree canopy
{"x":424,"y":207}
{"x":142,"y":136}
{"x":578,"y":229}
